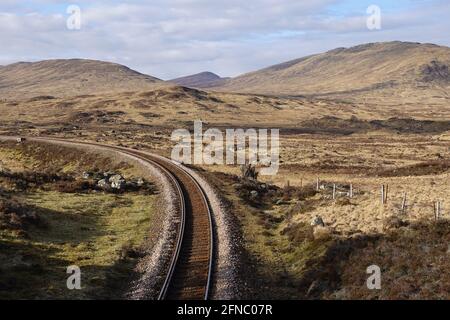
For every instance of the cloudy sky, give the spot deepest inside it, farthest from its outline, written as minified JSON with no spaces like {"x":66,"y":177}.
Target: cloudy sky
{"x":171,"y":38}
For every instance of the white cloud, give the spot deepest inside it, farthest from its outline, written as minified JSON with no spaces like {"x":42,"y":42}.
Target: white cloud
{"x":168,"y":38}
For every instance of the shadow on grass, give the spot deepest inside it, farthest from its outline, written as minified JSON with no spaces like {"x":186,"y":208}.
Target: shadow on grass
{"x":35,"y":267}
{"x":33,"y":272}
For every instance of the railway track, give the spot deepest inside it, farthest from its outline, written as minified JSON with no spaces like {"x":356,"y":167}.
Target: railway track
{"x":189,"y":274}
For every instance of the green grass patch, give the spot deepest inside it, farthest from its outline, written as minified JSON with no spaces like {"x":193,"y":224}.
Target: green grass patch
{"x":91,"y":231}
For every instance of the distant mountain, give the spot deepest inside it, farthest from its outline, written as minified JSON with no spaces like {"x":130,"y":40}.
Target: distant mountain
{"x":397,"y":70}
{"x":70,"y":77}
{"x":200,"y":80}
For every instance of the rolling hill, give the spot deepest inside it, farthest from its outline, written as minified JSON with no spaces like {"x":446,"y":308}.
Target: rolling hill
{"x":397,"y":70}
{"x":63,"y":78}
{"x":200,"y":80}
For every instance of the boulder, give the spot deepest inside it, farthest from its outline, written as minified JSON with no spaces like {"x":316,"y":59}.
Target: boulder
{"x":116,"y":177}
{"x":117,"y":182}
{"x":317,"y":222}
{"x":86,"y":175}
{"x":140,"y":182}
{"x":103,"y":184}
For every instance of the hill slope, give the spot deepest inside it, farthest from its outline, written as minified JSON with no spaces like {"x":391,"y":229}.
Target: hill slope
{"x":200,"y":80}
{"x":70,"y":77}
{"x":391,"y":69}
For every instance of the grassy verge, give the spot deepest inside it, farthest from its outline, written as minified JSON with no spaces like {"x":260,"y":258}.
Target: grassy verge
{"x":97,"y":232}
{"x":287,"y":259}
{"x":44,"y":228}
{"x":277,"y":255}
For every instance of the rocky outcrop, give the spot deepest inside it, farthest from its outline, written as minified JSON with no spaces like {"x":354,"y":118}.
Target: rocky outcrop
{"x":111,"y":181}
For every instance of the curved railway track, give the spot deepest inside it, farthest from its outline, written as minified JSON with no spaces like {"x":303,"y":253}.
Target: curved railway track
{"x":189,"y":273}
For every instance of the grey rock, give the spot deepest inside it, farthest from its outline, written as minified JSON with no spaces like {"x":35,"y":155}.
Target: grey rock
{"x":86,"y":175}
{"x":103,"y":184}
{"x":140,"y":182}
{"x":317,"y":221}
{"x":115,"y":178}
{"x":118,"y":184}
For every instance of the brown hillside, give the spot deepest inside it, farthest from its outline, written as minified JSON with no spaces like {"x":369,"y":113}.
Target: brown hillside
{"x":200,"y":80}
{"x":410,"y":72}
{"x":63,"y":78}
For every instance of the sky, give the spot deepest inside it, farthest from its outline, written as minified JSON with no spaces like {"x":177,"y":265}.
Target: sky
{"x":172,"y":38}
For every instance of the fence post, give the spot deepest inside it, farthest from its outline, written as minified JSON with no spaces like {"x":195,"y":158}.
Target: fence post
{"x":351,"y":191}
{"x":382,"y":194}
{"x":317,"y":184}
{"x":386,"y":192}
{"x":334,"y":191}
{"x":437,"y":214}
{"x":404,"y":203}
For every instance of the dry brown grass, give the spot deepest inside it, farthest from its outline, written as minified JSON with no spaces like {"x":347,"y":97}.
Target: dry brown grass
{"x":414,"y":263}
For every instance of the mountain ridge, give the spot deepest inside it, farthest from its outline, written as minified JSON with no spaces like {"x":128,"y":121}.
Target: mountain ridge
{"x":69,"y":77}
{"x":201,"y":80}
{"x":389,"y":68}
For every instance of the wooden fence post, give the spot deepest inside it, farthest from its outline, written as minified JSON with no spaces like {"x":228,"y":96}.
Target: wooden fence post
{"x":382,"y":194}
{"x":317,"y":184}
{"x":386,"y":192}
{"x":404,"y":203}
{"x":334,"y":191}
{"x":437,"y":210}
